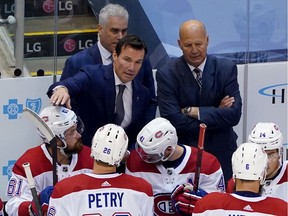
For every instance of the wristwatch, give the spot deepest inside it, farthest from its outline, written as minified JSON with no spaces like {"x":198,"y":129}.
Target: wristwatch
{"x":187,"y":110}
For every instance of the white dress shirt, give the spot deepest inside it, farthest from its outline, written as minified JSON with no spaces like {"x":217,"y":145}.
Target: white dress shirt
{"x":105,"y":54}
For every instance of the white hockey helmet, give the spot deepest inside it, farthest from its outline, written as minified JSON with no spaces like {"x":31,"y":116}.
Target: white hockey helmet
{"x":59,"y":119}
{"x":154,"y":138}
{"x":109,"y":144}
{"x":249,"y":162}
{"x":267,"y":135}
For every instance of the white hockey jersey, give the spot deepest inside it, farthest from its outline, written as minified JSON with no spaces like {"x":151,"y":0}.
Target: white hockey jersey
{"x":278,"y":187}
{"x":41,"y":167}
{"x":164,"y":180}
{"x":221,"y":204}
{"x":107,"y":194}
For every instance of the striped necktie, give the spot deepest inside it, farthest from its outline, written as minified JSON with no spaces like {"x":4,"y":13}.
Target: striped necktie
{"x":198,"y":77}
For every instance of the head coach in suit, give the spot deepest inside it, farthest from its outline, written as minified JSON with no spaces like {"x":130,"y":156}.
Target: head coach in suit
{"x":96,"y":88}
{"x":112,"y":26}
{"x":199,"y":88}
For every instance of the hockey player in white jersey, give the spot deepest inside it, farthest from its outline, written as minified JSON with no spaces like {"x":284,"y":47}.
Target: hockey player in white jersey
{"x":167,"y":165}
{"x":72,"y":158}
{"x":269,"y":137}
{"x":249,"y":165}
{"x":103,"y":192}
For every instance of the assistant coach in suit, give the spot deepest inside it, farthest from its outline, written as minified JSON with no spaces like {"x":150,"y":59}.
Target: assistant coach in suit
{"x":210,"y":94}
{"x":96,"y":87}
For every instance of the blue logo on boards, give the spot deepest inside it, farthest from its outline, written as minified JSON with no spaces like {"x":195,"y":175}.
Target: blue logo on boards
{"x":34,"y":104}
{"x":13,"y":108}
{"x":7,"y":170}
{"x":276,"y":92}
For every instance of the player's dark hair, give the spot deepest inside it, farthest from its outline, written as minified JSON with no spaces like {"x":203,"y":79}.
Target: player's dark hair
{"x":130,"y":41}
{"x":104,"y":163}
{"x":248,"y":181}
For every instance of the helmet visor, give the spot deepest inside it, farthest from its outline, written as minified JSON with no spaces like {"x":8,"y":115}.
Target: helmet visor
{"x":148,"y":158}
{"x":80,"y":125}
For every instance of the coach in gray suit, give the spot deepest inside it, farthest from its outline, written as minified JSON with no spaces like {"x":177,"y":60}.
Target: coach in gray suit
{"x":196,"y":88}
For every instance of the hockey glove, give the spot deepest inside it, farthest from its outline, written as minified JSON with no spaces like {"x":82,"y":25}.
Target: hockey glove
{"x":44,"y":198}
{"x":184,"y":198}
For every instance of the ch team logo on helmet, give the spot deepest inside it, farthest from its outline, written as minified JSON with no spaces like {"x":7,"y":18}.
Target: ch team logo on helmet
{"x":45,"y":118}
{"x":158,"y":134}
{"x":276,"y":127}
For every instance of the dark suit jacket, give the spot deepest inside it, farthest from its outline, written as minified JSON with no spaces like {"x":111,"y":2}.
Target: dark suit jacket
{"x":177,"y":88}
{"x":94,"y":88}
{"x":92,"y":56}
